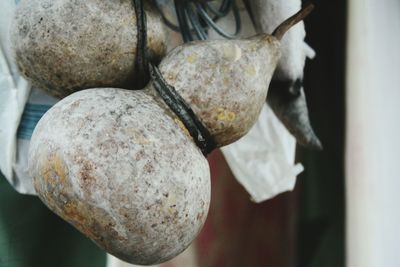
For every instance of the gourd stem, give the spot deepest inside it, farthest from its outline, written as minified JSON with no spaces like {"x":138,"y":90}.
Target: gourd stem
{"x":280,"y":31}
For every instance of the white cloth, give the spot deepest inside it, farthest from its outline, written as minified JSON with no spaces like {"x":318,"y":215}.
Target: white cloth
{"x":268,"y":15}
{"x":14,"y":92}
{"x":263,"y":160}
{"x":16,"y":126}
{"x":38,"y":103}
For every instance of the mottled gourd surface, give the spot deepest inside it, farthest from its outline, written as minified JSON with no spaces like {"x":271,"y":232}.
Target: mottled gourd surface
{"x":224,"y":82}
{"x":63,"y":46}
{"x":118,"y":166}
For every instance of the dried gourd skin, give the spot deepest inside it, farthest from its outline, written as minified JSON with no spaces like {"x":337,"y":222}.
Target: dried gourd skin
{"x":225,"y":82}
{"x":115,"y":164}
{"x":64,"y":46}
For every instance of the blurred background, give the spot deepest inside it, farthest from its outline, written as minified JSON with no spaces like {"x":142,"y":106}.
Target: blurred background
{"x":335,"y":216}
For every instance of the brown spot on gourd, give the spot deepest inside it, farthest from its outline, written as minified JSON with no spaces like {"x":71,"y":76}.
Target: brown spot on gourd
{"x":74,"y":214}
{"x":54,"y":170}
{"x":85,"y":172}
{"x":149,"y":167}
{"x":92,"y":221}
{"x":171,"y":76}
{"x":140,"y":155}
{"x":195,"y":100}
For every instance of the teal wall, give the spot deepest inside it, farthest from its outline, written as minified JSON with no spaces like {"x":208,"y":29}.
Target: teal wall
{"x":32,"y":236}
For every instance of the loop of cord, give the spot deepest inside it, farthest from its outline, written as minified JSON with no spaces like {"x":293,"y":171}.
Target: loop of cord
{"x":196,"y":17}
{"x":178,"y":105}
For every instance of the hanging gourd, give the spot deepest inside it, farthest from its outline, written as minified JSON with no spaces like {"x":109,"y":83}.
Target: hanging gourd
{"x":65,"y":46}
{"x":127,"y":168}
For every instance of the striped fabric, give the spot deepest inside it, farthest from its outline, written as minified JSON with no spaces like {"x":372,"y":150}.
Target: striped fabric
{"x":29,"y":119}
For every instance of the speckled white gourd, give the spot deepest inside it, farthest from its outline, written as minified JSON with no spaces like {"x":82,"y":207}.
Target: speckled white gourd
{"x":224,"y":82}
{"x":63,"y":46}
{"x":123,"y":169}
{"x":116,"y":166}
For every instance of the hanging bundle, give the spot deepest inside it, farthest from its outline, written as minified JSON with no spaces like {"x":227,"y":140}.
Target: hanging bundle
{"x":127,"y":172}
{"x":127,"y":167}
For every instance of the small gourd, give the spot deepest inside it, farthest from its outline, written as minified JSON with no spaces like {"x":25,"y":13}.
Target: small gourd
{"x":64,"y":46}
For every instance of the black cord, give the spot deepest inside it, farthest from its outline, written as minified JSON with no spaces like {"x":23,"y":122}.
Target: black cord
{"x":141,"y":49}
{"x":196,"y":17}
{"x":203,"y":13}
{"x":247,"y":4}
{"x":222,"y":11}
{"x":194,"y":21}
{"x":182,"y":20}
{"x":147,"y":70}
{"x":178,"y":105}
